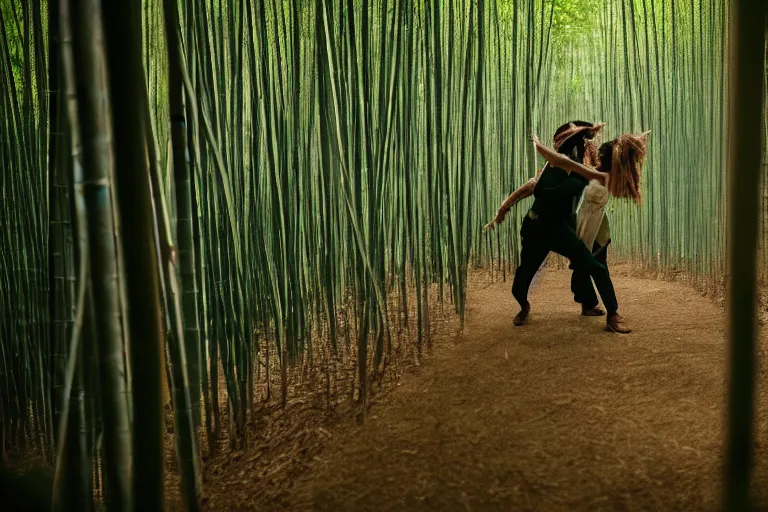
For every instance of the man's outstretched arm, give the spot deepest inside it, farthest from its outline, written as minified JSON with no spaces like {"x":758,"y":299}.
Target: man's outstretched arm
{"x":525,"y":190}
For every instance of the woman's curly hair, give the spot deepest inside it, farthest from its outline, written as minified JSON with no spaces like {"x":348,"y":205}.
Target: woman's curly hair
{"x":623,"y":157}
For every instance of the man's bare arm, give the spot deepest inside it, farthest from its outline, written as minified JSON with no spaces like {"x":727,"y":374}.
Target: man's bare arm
{"x":525,"y":190}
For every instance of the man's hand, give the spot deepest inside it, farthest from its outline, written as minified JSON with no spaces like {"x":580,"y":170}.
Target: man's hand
{"x":496,"y":220}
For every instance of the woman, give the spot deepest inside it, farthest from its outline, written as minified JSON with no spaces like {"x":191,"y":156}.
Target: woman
{"x":548,"y":225}
{"x":623,"y":159}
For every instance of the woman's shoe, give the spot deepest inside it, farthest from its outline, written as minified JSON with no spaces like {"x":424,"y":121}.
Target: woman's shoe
{"x":616,"y":324}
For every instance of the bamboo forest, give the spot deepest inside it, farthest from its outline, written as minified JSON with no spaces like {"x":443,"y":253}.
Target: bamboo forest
{"x":257,"y":255}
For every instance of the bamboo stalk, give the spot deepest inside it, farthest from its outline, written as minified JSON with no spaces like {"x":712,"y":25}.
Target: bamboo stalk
{"x":744,"y":186}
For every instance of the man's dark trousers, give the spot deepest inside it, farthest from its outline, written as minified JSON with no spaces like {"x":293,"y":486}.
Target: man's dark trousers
{"x":539,"y":237}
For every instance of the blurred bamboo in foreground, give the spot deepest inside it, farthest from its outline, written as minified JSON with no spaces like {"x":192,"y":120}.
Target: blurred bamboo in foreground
{"x":745,"y":173}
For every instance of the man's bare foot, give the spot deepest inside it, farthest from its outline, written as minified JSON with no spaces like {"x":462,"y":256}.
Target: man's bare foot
{"x":616,"y":324}
{"x":522,"y":316}
{"x":595,"y":311}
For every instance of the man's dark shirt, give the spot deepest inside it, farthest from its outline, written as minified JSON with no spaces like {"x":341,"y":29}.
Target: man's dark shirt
{"x":556,"y":194}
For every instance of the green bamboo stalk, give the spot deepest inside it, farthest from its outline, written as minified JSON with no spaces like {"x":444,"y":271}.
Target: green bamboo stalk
{"x":126,"y":80}
{"x":92,"y":124}
{"x":188,"y":397}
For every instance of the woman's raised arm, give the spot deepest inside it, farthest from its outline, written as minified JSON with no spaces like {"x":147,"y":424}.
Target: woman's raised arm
{"x":563,"y":162}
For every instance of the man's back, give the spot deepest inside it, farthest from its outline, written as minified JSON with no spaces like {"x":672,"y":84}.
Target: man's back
{"x":556,"y":194}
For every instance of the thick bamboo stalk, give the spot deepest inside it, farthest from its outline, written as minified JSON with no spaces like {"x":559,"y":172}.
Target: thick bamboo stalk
{"x":126,"y":80}
{"x":82,"y":16}
{"x":744,"y":172}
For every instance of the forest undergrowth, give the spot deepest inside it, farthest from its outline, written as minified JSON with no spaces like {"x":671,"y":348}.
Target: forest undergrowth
{"x":280,"y":440}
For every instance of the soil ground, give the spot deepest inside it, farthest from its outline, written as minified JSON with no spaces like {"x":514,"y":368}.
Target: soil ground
{"x":556,"y":415}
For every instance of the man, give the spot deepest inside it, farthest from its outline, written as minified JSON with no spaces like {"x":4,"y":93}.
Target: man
{"x":581,"y":283}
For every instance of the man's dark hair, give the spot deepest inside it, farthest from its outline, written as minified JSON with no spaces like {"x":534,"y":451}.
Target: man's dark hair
{"x":567,"y":125}
{"x":574,"y":145}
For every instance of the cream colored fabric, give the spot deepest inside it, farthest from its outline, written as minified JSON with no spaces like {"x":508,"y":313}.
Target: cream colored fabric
{"x":591,"y":212}
{"x":604,"y":233}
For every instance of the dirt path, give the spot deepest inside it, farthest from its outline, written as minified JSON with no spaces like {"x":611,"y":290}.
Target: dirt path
{"x":557,"y":415}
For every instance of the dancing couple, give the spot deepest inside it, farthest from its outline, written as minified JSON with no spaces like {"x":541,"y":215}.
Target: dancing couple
{"x":551,"y":223}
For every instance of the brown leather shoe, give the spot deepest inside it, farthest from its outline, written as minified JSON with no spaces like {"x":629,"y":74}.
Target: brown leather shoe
{"x":595,"y":311}
{"x":522,"y":317}
{"x":616,"y":324}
